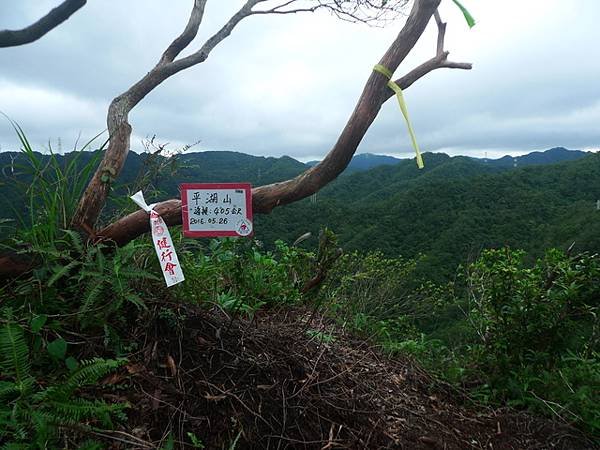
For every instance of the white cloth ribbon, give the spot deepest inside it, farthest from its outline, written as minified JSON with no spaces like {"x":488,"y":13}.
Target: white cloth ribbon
{"x":163,"y":244}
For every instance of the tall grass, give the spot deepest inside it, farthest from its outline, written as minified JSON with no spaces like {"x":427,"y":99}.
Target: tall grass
{"x":51,"y":189}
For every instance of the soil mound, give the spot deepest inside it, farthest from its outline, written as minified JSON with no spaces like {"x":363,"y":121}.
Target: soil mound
{"x":275,"y":383}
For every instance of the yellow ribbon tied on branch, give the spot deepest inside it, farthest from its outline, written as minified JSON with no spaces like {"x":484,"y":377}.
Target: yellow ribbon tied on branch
{"x":398,"y":91}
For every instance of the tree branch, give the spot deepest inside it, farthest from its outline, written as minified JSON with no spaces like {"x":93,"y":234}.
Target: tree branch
{"x":375,"y":93}
{"x":187,"y":35}
{"x":265,"y":198}
{"x":363,"y":11}
{"x":56,"y":16}
{"x":441,"y":32}
{"x":119,"y":130}
{"x":439,"y":61}
{"x":201,"y":55}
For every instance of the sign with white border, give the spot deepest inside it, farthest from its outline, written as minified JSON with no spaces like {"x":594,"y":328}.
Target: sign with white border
{"x":216,"y":209}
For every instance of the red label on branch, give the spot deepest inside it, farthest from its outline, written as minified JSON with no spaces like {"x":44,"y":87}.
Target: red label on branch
{"x":216,"y":209}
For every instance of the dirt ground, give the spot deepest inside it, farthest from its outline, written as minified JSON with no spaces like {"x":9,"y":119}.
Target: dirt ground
{"x":276,"y":383}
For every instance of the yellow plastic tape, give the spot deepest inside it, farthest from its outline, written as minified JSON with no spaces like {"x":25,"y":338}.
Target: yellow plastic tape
{"x":398,"y":91}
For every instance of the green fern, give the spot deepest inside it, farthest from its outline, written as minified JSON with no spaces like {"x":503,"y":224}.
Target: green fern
{"x":77,"y":410}
{"x":14,"y":359}
{"x":62,"y":270}
{"x":31,"y":414}
{"x":75,"y":241}
{"x":88,"y":372}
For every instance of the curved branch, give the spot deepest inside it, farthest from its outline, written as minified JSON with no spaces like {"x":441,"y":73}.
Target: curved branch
{"x":375,"y":93}
{"x":187,"y":35}
{"x":265,"y":198}
{"x":119,"y":130}
{"x":56,"y":16}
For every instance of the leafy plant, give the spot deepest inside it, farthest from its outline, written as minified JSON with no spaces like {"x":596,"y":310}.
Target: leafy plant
{"x":52,"y":187}
{"x":32,"y":414}
{"x":517,"y":333}
{"x":239,"y":275}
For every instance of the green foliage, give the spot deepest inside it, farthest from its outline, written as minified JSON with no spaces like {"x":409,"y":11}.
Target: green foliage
{"x":95,"y":280}
{"x":31,"y":413}
{"x":239,"y":276}
{"x":525,"y":334}
{"x":374,"y":295}
{"x":57,"y":348}
{"x":196,"y":441}
{"x":320,"y":336}
{"x":75,"y":287}
{"x":451,"y":210}
{"x":519,"y":312}
{"x":52,"y":187}
{"x":536,"y":332}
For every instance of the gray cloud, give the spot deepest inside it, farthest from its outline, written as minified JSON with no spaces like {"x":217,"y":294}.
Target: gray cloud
{"x":286,"y":85}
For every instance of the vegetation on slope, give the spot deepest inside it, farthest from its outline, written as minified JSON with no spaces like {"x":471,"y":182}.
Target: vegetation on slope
{"x":241,"y":355}
{"x":452,"y":210}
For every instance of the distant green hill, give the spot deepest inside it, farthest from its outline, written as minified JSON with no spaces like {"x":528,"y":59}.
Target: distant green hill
{"x":366,"y":161}
{"x":551,"y":156}
{"x":452,"y":209}
{"x":448,"y":211}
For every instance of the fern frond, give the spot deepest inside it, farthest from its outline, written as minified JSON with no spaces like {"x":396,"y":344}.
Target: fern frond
{"x":62,"y":271}
{"x":92,"y":294}
{"x":76,"y":241}
{"x":43,"y":425}
{"x":79,"y":409}
{"x":136,"y":274}
{"x":136,"y":300}
{"x":14,"y":359}
{"x":8,"y":389}
{"x":88,"y":372}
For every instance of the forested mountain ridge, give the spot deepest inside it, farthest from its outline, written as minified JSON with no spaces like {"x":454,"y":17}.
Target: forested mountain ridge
{"x":366,"y":161}
{"x":452,"y":209}
{"x":551,"y":156}
{"x":448,"y":211}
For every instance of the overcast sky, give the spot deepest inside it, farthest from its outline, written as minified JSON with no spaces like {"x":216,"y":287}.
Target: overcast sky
{"x":285,"y":85}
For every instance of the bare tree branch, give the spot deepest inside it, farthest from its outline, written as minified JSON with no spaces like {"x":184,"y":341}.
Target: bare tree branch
{"x":441,"y":32}
{"x":439,"y":61}
{"x":375,"y":93}
{"x":119,"y":130}
{"x":265,"y":198}
{"x":56,"y":16}
{"x":188,"y":34}
{"x":201,"y":55}
{"x":364,"y":11}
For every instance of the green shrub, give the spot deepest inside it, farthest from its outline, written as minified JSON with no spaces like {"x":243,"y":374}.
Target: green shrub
{"x":523,"y":335}
{"x":32,"y":413}
{"x":240,"y":276}
{"x":536,"y":332}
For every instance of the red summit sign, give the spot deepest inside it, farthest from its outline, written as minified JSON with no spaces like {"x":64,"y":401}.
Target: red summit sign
{"x":216,"y":209}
